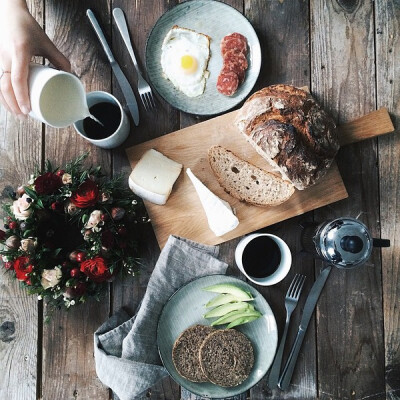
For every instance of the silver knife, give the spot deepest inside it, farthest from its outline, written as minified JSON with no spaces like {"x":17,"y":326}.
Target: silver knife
{"x":309,"y":306}
{"x":121,"y":78}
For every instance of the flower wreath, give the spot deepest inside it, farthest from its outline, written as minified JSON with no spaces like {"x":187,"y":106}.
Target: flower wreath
{"x":70,"y":231}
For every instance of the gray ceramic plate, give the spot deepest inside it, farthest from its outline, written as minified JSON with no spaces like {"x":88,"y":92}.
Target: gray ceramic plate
{"x":216,"y":20}
{"x":186,"y":308}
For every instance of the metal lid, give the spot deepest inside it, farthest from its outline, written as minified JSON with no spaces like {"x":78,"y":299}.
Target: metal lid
{"x":345,"y":242}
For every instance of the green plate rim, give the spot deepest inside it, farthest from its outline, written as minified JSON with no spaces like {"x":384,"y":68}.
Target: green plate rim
{"x":256,"y":71}
{"x":158,"y":334}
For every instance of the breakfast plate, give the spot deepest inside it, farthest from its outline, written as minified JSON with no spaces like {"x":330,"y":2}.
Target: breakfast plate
{"x":216,"y":20}
{"x":186,"y":308}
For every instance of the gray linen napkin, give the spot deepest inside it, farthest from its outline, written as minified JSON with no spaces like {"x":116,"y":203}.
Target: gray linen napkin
{"x":125,"y":349}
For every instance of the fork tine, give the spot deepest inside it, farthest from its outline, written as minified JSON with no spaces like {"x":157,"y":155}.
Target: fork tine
{"x":148,"y":96}
{"x":291,"y":285}
{"x":153,"y":103}
{"x":298,"y":287}
{"x":144,"y":101}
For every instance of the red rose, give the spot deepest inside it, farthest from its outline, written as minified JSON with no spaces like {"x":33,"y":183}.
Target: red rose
{"x":47,"y":183}
{"x":86,"y":195}
{"x":96,"y":269}
{"x":22,"y":268}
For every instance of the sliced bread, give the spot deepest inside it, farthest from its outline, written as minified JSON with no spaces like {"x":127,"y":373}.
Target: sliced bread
{"x":247,"y":182}
{"x":226,"y":357}
{"x":185,"y":352}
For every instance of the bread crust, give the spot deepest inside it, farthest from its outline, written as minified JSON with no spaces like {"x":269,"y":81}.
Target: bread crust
{"x":291,"y":131}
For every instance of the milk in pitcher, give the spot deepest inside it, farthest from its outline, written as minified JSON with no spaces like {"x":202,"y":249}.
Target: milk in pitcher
{"x":57,"y":98}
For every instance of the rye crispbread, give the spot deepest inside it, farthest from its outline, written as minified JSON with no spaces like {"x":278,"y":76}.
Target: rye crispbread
{"x":226,"y":357}
{"x":185,"y":352}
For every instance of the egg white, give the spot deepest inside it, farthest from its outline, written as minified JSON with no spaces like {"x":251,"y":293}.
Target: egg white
{"x":181,"y":42}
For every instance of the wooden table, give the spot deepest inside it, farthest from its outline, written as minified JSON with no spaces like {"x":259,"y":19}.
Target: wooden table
{"x":347,"y":52}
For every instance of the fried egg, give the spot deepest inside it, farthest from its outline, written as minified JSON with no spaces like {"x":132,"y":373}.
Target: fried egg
{"x":184,"y":59}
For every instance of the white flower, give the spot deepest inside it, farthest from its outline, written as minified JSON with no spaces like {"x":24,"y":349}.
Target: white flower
{"x":20,"y":208}
{"x":51,"y":277}
{"x":70,"y":208}
{"x":28,"y":245}
{"x":95,"y":220}
{"x":66,"y":178}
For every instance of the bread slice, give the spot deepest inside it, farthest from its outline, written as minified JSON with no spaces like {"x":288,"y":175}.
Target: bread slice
{"x":226,"y":357}
{"x":185,"y":352}
{"x":247,"y":182}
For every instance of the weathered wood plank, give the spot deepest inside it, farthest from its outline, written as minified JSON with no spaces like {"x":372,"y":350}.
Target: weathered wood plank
{"x":141,"y":17}
{"x":349,"y":314}
{"x":283,"y":30}
{"x":388,"y":92}
{"x":20,"y":152}
{"x":68,"y":363}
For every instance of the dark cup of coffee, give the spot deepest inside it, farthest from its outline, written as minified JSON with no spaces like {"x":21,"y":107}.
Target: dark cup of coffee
{"x":263,"y":258}
{"x":108,"y":127}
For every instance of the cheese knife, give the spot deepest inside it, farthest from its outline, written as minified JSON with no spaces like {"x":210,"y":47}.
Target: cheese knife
{"x":121,"y":78}
{"x":309,"y":306}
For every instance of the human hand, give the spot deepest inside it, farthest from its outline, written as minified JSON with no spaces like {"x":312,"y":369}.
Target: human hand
{"x":21,"y":37}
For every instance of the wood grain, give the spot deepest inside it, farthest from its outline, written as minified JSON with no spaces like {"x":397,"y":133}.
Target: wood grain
{"x":373,"y":124}
{"x":20,"y":152}
{"x":387,"y":46}
{"x":347,"y":53}
{"x":349,"y":334}
{"x":68,"y":363}
{"x":283,"y":28}
{"x":141,"y":16}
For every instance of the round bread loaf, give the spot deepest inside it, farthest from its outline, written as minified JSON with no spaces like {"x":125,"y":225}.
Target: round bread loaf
{"x":291,"y":131}
{"x":185,"y":352}
{"x":226,"y":357}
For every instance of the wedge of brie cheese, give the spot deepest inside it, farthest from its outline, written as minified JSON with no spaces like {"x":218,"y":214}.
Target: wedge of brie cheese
{"x":153,"y":176}
{"x":220,"y":216}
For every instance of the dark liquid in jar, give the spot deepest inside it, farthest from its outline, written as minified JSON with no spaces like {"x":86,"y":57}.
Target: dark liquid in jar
{"x":108,"y":114}
{"x":261,"y":257}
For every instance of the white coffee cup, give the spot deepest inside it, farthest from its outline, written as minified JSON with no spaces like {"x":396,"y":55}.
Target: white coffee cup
{"x":282,"y":267}
{"x":57,"y":98}
{"x":121,"y":133}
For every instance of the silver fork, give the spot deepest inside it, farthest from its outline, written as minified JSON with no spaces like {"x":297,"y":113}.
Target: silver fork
{"x":291,"y":300}
{"x":144,"y":88}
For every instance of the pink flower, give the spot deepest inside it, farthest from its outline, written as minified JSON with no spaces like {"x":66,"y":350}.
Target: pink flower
{"x":20,"y":208}
{"x":95,"y":220}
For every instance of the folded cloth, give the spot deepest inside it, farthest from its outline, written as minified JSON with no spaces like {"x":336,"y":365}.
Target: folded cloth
{"x":125,"y":349}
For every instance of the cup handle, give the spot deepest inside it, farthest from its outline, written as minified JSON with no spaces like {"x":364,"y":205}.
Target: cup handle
{"x":380,"y":242}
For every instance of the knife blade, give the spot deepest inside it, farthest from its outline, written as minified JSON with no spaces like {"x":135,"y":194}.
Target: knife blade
{"x":121,"y":78}
{"x":309,"y":307}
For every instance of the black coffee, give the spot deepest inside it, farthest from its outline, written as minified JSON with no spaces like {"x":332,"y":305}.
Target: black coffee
{"x":108,"y":114}
{"x":261,"y":257}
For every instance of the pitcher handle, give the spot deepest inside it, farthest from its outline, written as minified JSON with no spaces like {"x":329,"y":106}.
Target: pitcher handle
{"x":380,"y":242}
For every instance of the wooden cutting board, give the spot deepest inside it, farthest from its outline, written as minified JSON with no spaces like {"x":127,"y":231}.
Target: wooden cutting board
{"x":183,"y":214}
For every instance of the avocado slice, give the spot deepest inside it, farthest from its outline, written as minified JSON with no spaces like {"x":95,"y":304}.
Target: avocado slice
{"x":233,"y":315}
{"x":229,"y":288}
{"x":223,"y":298}
{"x":241,"y":320}
{"x":226,"y":308}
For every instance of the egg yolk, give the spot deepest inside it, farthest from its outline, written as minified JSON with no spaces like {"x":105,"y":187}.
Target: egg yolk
{"x":188,"y":64}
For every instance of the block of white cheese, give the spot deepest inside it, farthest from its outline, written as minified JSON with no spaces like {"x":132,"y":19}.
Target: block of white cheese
{"x":153,"y":176}
{"x":220,"y":216}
